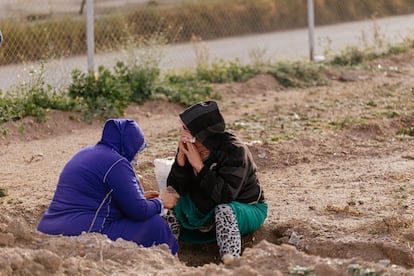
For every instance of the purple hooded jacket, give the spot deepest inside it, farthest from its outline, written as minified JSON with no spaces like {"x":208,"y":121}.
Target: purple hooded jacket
{"x":98,"y":191}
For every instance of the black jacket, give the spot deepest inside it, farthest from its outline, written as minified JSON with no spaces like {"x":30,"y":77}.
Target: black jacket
{"x":229,"y":174}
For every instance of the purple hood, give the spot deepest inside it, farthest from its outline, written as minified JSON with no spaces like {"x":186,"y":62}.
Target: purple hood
{"x":124,"y":136}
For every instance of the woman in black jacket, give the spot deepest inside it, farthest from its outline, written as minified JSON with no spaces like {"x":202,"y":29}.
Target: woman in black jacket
{"x":215,"y":175}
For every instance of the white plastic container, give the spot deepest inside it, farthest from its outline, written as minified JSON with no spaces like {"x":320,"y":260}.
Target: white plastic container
{"x":162,"y":169}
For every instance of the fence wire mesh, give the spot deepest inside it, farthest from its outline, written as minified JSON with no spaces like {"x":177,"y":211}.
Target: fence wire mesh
{"x":52,"y":33}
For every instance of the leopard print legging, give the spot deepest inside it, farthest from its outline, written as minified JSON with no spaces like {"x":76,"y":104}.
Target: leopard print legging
{"x":227,"y":229}
{"x":173,"y":222}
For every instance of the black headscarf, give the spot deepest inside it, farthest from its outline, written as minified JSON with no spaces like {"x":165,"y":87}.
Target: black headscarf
{"x":205,"y":122}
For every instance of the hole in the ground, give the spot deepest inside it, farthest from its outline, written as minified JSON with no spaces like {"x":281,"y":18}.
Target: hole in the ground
{"x":368,"y":250}
{"x":372,"y":251}
{"x":312,"y":242}
{"x":198,"y":255}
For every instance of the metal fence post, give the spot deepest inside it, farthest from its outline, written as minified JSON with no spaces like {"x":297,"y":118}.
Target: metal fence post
{"x":90,"y":40}
{"x":311,"y":27}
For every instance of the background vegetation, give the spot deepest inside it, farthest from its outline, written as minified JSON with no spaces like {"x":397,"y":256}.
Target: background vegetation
{"x":108,"y":92}
{"x":43,"y":37}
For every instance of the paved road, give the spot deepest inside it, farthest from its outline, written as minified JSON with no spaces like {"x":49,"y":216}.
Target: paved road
{"x":288,"y":45}
{"x":24,"y":8}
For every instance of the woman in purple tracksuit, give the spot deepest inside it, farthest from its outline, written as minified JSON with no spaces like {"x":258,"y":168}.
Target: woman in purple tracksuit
{"x":98,"y":191}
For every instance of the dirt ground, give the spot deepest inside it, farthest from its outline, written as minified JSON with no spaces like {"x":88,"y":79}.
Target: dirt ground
{"x":336,"y":163}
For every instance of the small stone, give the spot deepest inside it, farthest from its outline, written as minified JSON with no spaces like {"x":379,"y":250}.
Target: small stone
{"x":294,"y":238}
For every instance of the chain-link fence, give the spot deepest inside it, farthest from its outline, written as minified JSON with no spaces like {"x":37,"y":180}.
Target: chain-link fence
{"x":52,"y":33}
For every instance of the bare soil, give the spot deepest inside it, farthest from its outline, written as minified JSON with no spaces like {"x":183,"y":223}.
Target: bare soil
{"x":336,"y":163}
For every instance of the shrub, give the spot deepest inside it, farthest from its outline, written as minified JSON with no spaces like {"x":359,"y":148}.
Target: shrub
{"x":139,"y":80}
{"x":101,"y":95}
{"x":350,"y":56}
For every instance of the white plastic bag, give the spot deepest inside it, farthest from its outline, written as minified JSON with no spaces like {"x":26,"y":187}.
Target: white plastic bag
{"x":162,"y":169}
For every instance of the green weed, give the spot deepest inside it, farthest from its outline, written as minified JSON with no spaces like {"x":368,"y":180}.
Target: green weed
{"x":358,"y":270}
{"x":406,"y":131}
{"x":3,"y":191}
{"x":22,"y":129}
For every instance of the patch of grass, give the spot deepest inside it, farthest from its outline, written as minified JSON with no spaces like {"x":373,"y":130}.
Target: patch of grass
{"x":390,"y":114}
{"x":225,"y":71}
{"x":346,"y":122}
{"x":14,"y":201}
{"x":4,"y":132}
{"x":219,"y":71}
{"x":353,"y":56}
{"x":283,"y":137}
{"x":350,"y":56}
{"x":3,"y":191}
{"x":22,"y":129}
{"x":406,"y":131}
{"x":392,"y":50}
{"x":33,"y":98}
{"x":298,"y":74}
{"x":300,"y":270}
{"x":185,"y":89}
{"x":371,"y":103}
{"x":358,"y":270}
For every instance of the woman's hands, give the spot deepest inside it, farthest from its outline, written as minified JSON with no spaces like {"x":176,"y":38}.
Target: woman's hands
{"x":151,"y":194}
{"x":169,"y":197}
{"x":192,"y":150}
{"x":181,"y":155}
{"x":185,"y":137}
{"x":191,"y":153}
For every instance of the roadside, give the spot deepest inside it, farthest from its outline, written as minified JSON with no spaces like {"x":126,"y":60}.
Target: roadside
{"x":289,"y":45}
